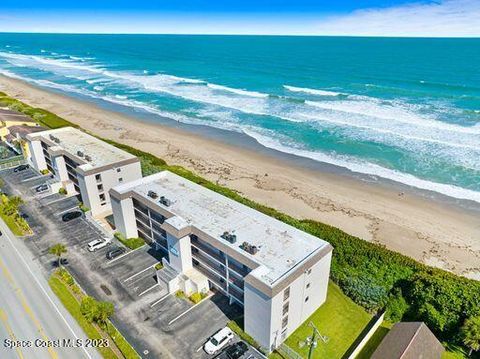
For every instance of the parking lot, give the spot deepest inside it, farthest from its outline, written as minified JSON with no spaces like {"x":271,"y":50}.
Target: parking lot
{"x":157,"y":324}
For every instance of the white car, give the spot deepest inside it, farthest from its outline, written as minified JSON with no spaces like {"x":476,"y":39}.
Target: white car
{"x":98,"y":244}
{"x":219,"y":340}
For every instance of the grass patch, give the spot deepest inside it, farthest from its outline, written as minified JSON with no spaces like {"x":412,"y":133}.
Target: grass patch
{"x":73,"y":306}
{"x":12,"y":223}
{"x":10,"y":215}
{"x":339,"y":318}
{"x":374,"y":341}
{"x":121,"y":343}
{"x":132,"y":243}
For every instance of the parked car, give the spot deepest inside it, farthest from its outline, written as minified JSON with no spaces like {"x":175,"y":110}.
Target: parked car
{"x":41,"y":188}
{"x":218,"y":341}
{"x":116,"y":252}
{"x":1,"y":233}
{"x":21,"y":168}
{"x":98,"y":244}
{"x":71,"y":215}
{"x":234,"y":351}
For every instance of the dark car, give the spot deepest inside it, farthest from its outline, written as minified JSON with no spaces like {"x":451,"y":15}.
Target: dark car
{"x":71,"y":215}
{"x":41,"y":188}
{"x":234,"y":351}
{"x":21,"y":168}
{"x":114,"y":253}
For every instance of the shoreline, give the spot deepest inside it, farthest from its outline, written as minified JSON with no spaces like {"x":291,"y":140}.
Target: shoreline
{"x":435,"y":231}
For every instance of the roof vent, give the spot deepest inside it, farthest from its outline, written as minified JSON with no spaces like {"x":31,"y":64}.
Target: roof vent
{"x":249,"y":248}
{"x":54,"y":139}
{"x":80,"y":154}
{"x":152,"y":194}
{"x":165,"y":201}
{"x":88,"y":158}
{"x":230,"y":237}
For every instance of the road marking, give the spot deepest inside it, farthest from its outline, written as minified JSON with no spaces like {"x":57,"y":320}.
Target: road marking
{"x":32,"y":178}
{"x":137,"y":274}
{"x":126,"y":254}
{"x":189,"y":309}
{"x":160,"y":300}
{"x":4,"y":319}
{"x":42,"y":288}
{"x":56,"y":200}
{"x":149,"y":289}
{"x":19,"y":293}
{"x":199,"y":348}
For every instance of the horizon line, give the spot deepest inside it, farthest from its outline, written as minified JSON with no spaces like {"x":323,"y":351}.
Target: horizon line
{"x":240,"y":34}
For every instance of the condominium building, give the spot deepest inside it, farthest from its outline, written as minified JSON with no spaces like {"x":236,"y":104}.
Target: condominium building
{"x":275,"y":272}
{"x":82,"y":165}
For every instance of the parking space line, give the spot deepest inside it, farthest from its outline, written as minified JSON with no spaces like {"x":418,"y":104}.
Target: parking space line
{"x":137,"y":274}
{"x":189,"y":309}
{"x":32,"y":178}
{"x":57,"y":200}
{"x":199,"y":348}
{"x":67,"y":210}
{"x":160,"y":300}
{"x":126,"y":254}
{"x":149,"y":289}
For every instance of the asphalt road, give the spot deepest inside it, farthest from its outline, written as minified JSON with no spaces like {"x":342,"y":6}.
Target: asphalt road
{"x":30,"y":311}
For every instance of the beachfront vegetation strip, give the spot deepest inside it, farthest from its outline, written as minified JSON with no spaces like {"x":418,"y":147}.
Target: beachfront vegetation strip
{"x":92,"y":315}
{"x":371,"y":275}
{"x":9,"y":206}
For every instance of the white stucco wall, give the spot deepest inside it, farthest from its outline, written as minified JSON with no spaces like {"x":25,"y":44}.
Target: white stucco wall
{"x":36,"y":159}
{"x":124,"y":217}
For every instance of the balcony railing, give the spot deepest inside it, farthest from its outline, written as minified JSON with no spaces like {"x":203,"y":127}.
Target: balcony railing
{"x":211,"y":276}
{"x":212,"y":265}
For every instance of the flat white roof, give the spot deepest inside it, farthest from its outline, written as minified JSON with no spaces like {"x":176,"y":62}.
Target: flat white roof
{"x":73,"y":140}
{"x":281,"y":246}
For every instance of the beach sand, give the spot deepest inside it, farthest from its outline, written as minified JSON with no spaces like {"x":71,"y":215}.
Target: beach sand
{"x":432,"y":232}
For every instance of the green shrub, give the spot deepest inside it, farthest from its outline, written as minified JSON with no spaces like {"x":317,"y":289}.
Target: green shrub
{"x":132,"y":243}
{"x":45,"y":172}
{"x":236,"y":328}
{"x":397,"y":306}
{"x":196,"y":298}
{"x":180,"y":294}
{"x":62,"y":191}
{"x":158,"y":266}
{"x":83,"y":208}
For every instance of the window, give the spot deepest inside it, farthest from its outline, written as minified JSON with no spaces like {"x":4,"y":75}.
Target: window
{"x":120,"y":179}
{"x":98,"y":178}
{"x":306,"y":299}
{"x":284,"y":322}
{"x":309,"y":271}
{"x":119,"y":170}
{"x":102,"y":197}
{"x":308,"y":285}
{"x":285,"y":308}
{"x":100,"y":187}
{"x":286,"y":294}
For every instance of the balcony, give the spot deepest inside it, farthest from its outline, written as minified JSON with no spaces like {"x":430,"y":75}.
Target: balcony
{"x":236,"y":282}
{"x":213,"y":265}
{"x":205,"y":248}
{"x":216,"y":280}
{"x":241,"y":271}
{"x":235,"y":293}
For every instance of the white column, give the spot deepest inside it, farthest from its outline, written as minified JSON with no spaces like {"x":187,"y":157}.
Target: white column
{"x":179,"y":253}
{"x":124,"y":217}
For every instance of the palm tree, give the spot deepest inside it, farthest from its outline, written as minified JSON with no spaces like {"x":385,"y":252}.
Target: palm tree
{"x":58,"y":250}
{"x":471,"y":334}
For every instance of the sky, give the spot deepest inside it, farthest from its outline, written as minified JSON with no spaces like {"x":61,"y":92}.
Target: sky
{"x":439,"y":18}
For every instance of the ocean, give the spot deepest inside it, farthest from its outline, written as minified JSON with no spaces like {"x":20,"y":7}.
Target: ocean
{"x":402,"y":109}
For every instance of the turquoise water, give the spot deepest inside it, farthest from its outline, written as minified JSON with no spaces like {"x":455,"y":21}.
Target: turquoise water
{"x":402,"y":109}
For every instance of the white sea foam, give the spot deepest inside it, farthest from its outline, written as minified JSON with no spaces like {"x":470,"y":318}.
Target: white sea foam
{"x":312,"y":91}
{"x":237,"y":91}
{"x":367,"y":168}
{"x":98,"y":88}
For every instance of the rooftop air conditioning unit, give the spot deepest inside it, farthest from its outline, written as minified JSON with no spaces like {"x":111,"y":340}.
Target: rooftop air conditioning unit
{"x":88,"y":158}
{"x":230,"y":237}
{"x":249,"y":248}
{"x":54,"y":139}
{"x":152,"y":194}
{"x":165,"y":201}
{"x":80,"y":154}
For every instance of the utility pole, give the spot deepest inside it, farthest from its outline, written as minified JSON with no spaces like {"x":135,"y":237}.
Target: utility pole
{"x":313,"y":340}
